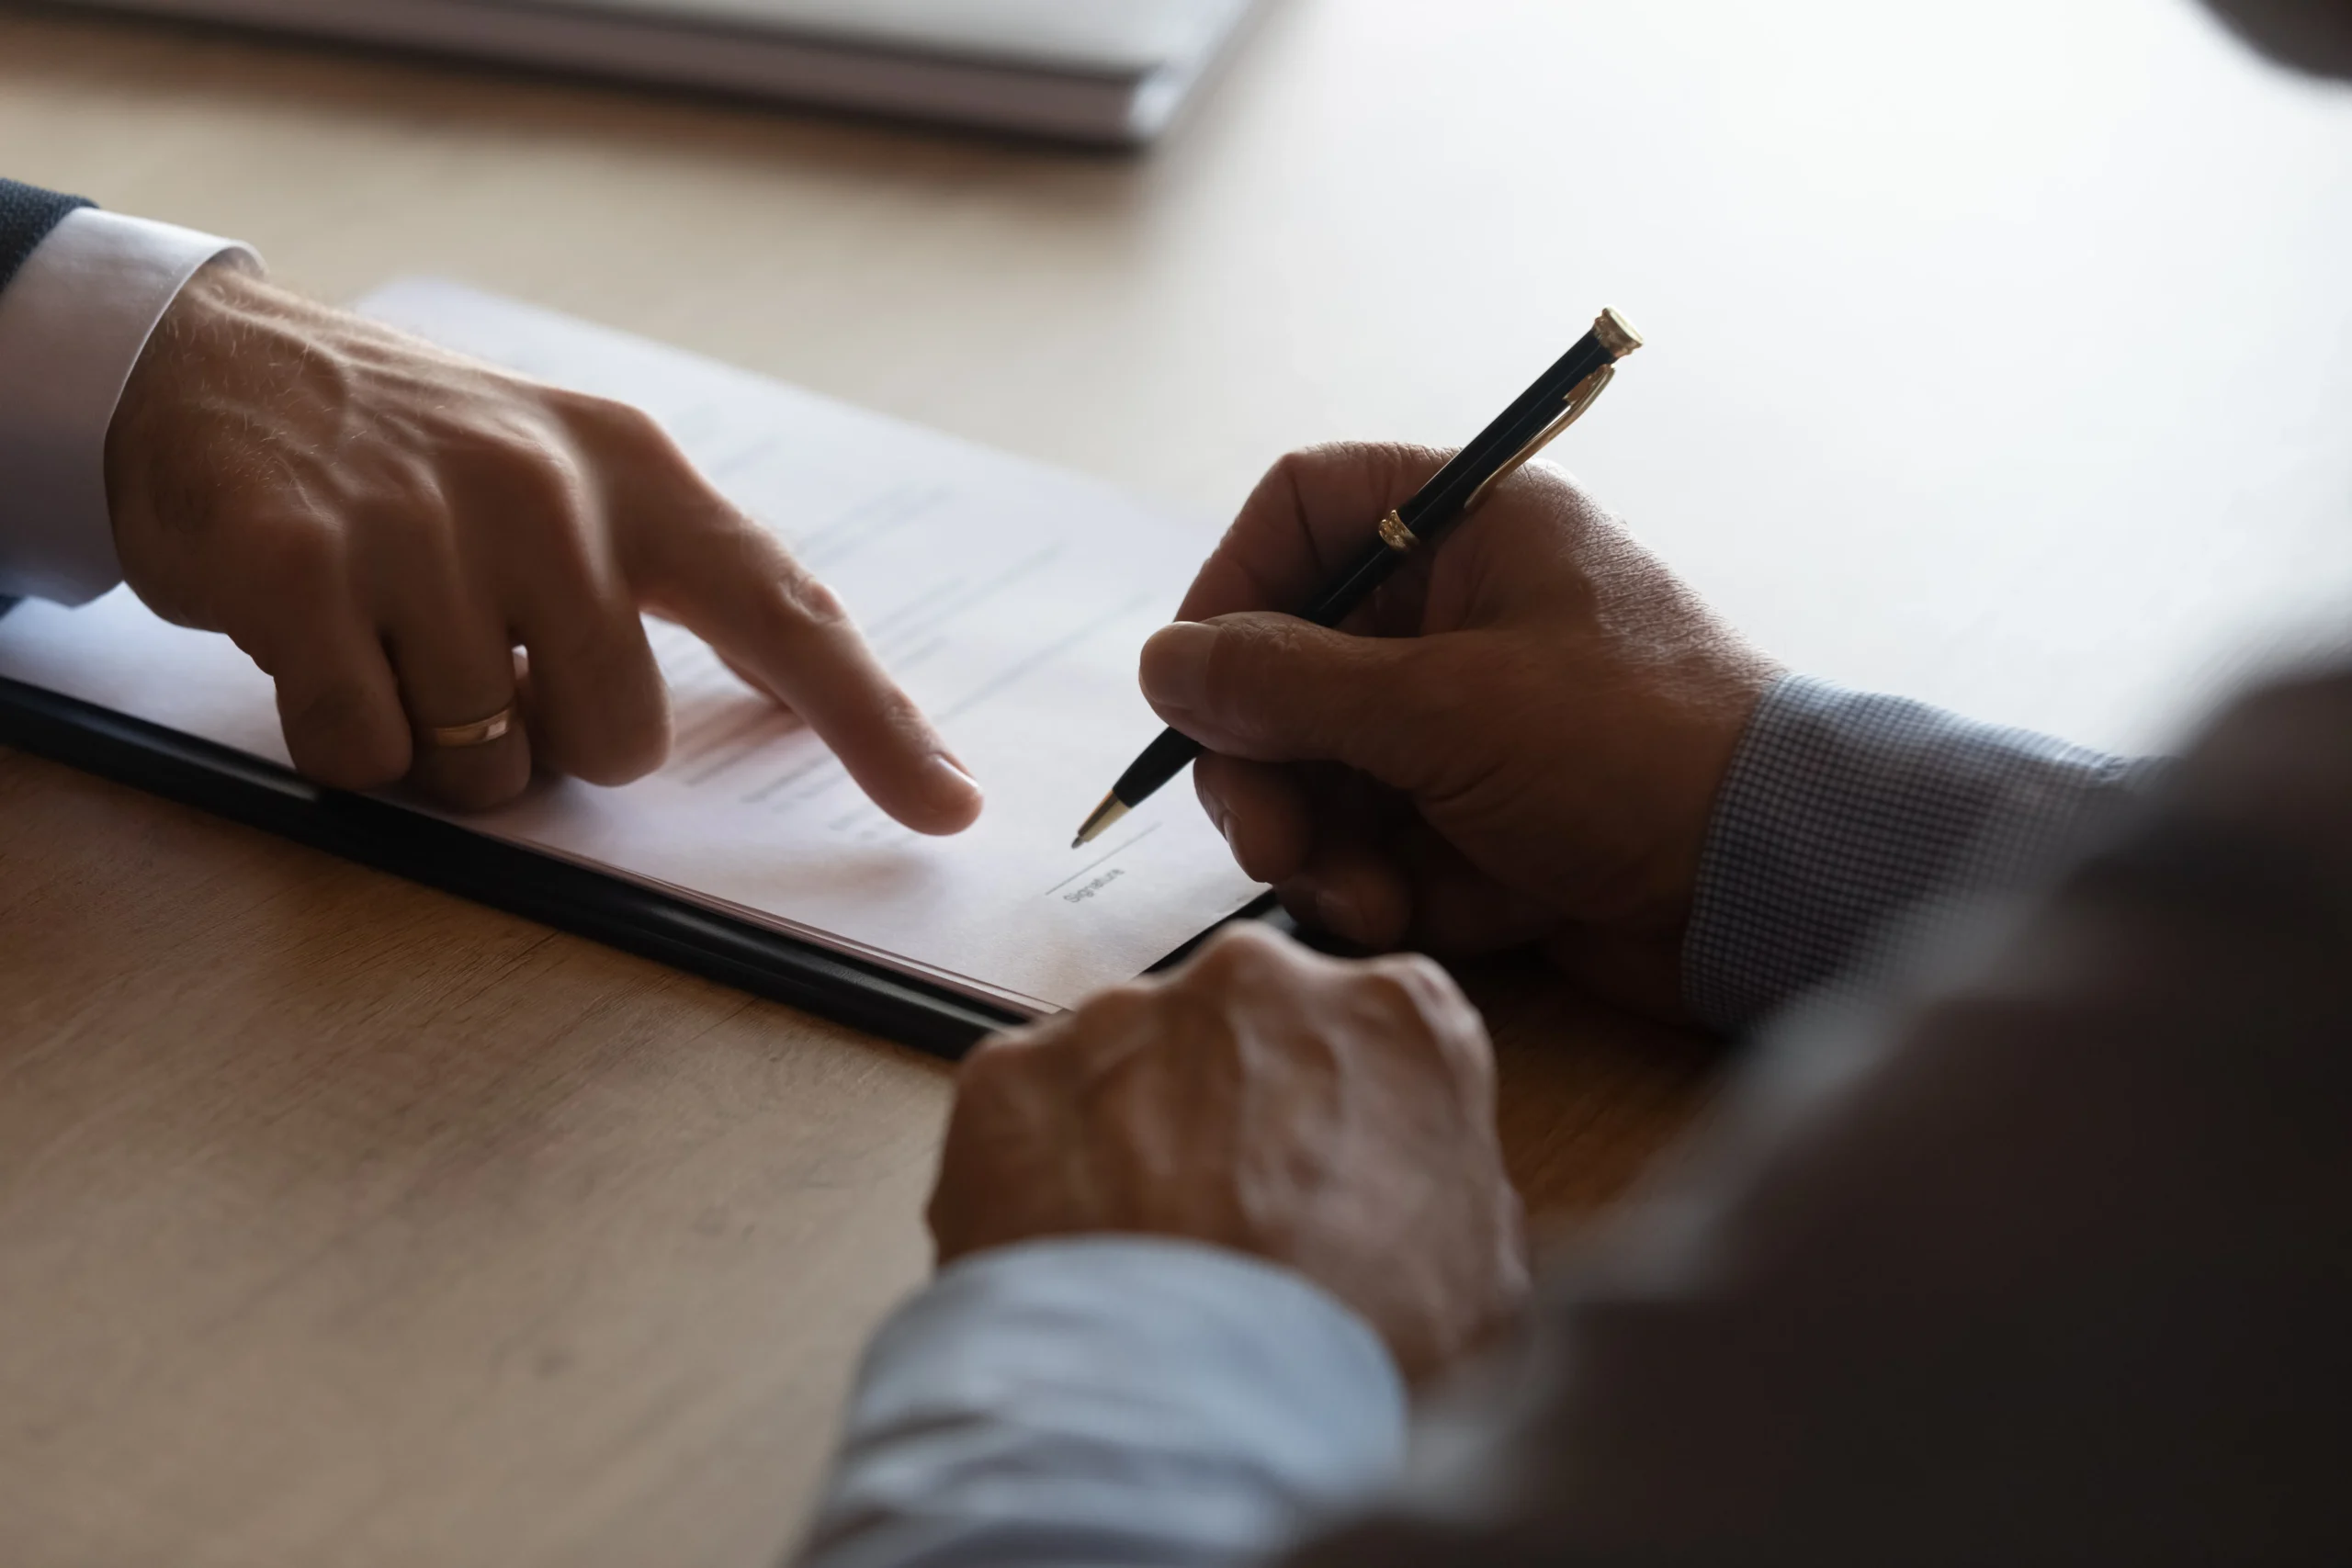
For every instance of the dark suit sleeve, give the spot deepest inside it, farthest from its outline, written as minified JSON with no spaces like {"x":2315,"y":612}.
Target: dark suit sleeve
{"x":27,"y":215}
{"x":2042,"y":1256}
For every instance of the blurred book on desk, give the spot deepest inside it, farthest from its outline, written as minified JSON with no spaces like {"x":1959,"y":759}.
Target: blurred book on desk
{"x":1102,"y":71}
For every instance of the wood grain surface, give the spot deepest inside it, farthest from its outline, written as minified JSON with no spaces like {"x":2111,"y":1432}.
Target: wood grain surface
{"x":343,"y":1222}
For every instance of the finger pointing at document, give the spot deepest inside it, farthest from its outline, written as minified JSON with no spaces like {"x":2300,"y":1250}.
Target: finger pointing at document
{"x":381,"y":526}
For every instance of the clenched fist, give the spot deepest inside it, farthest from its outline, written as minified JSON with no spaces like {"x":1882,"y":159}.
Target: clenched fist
{"x":381,"y":526}
{"x":1335,"y":1117}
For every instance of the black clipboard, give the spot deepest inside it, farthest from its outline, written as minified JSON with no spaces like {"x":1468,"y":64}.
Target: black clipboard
{"x":599,"y":905}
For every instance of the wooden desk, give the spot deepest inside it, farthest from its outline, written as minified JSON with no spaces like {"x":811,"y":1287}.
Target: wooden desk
{"x":342,"y":1221}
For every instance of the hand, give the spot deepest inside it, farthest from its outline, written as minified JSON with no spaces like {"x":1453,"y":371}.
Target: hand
{"x":380,"y":525}
{"x":1519,"y":739}
{"x":1335,"y":1117}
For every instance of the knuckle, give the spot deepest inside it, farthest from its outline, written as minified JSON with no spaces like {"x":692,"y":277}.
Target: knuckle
{"x":1245,"y":956}
{"x":1296,"y":471}
{"x":1389,"y":993}
{"x":550,"y":490}
{"x":608,"y":420}
{"x":1418,"y":972}
{"x":1395,"y":468}
{"x":803,"y":602}
{"x":420,"y":488}
{"x":517,"y":478}
{"x":1418,"y":996}
{"x":1410,"y":987}
{"x":1565,"y":501}
{"x":782,"y":601}
{"x":1403,"y":466}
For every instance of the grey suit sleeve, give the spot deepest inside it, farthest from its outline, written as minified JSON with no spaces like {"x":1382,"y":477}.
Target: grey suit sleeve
{"x":1843,"y":809}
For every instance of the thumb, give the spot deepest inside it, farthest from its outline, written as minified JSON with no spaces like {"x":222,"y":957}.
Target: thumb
{"x":1276,"y":689}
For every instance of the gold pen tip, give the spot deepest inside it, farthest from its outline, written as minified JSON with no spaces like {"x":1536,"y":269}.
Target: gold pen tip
{"x":1097,"y":820}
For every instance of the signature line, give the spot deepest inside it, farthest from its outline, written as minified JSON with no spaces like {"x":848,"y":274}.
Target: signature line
{"x":1090,"y":866}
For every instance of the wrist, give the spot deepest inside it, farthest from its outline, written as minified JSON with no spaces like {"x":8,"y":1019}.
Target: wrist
{"x":1720,"y":706}
{"x":162,"y":381}
{"x":1645,"y":776}
{"x":77,"y":320}
{"x":160,"y":455}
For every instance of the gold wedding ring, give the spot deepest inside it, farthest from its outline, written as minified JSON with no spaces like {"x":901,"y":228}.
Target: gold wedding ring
{"x":480,"y":732}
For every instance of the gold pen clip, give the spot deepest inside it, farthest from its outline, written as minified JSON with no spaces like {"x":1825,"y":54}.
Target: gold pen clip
{"x":1618,"y":336}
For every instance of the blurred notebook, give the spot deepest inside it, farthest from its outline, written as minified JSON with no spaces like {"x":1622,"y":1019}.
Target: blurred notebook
{"x":1111,"y":71}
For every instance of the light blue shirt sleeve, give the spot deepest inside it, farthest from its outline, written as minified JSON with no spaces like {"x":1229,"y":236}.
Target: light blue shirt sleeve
{"x":1108,"y":1400}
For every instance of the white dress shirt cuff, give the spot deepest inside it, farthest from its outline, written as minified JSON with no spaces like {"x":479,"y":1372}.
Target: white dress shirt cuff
{"x":1108,"y":1400}
{"x":72,"y":323}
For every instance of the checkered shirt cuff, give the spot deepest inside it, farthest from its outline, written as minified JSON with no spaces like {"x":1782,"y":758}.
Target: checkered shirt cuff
{"x":1843,"y":809}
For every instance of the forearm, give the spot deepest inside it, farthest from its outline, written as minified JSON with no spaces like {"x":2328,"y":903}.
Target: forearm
{"x":1844,"y":808}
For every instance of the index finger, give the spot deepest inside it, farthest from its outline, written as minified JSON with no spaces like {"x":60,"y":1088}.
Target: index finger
{"x":733,"y":585}
{"x":1312,"y":514}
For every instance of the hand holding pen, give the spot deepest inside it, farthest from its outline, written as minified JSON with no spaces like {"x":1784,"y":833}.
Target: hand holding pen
{"x":1520,"y":742}
{"x":1418,"y":525}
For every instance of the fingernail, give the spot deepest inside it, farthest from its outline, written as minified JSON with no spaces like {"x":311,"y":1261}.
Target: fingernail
{"x":953,"y":773}
{"x":1176,"y":665}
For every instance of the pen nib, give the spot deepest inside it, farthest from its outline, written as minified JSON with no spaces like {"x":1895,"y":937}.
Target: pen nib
{"x":1103,"y":815}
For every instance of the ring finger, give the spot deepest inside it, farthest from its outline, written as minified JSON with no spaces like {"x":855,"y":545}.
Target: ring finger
{"x":457,"y":680}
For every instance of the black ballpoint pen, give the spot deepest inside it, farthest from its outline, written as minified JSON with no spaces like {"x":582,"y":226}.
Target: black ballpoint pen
{"x":1545,"y":410}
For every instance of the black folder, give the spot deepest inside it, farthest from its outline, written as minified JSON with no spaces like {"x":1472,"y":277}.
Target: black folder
{"x":610,"y":908}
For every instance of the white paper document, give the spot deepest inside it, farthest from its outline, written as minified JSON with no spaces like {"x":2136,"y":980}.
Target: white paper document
{"x":1009,"y":599}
